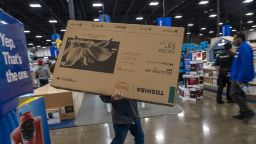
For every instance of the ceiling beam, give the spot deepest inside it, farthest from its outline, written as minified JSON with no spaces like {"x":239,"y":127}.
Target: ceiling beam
{"x":141,"y":10}
{"x":114,"y":10}
{"x":128,"y":10}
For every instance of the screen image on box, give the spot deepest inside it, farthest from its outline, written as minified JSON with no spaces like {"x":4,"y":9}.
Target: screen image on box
{"x":91,"y":55}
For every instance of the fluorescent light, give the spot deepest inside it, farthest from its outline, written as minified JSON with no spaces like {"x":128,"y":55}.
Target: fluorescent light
{"x":251,"y":29}
{"x":53,"y":21}
{"x":153,"y":3}
{"x":43,"y":47}
{"x":96,"y":19}
{"x":97,"y":4}
{"x":220,"y":33}
{"x":249,"y":14}
{"x":250,"y":22}
{"x":231,"y":27}
{"x":178,"y":16}
{"x":190,"y":25}
{"x":26,"y":31}
{"x":200,"y":34}
{"x":38,"y":46}
{"x":63,"y":30}
{"x":38,"y":36}
{"x":247,"y":1}
{"x":221,"y":23}
{"x":188,"y":33}
{"x":48,"y":40}
{"x":203,"y":28}
{"x":212,"y":15}
{"x":233,"y":30}
{"x":139,"y":18}
{"x":35,"y":5}
{"x":30,"y":44}
{"x":3,"y":22}
{"x":254,"y":26}
{"x":210,"y":32}
{"x":203,"y":2}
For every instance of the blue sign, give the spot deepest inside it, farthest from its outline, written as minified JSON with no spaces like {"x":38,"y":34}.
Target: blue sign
{"x":55,"y":36}
{"x":104,"y":18}
{"x":54,"y":52}
{"x":226,"y":30}
{"x":164,"y":21}
{"x":15,"y":75}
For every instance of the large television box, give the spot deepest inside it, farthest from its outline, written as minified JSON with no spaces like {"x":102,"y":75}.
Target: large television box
{"x":141,"y":61}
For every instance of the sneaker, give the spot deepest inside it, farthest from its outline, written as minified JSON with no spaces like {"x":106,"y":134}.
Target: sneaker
{"x":220,"y":102}
{"x":230,"y":101}
{"x":248,"y":117}
{"x":240,"y":117}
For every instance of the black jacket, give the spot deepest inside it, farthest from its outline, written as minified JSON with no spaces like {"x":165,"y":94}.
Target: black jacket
{"x":224,"y":61}
{"x":124,"y":111}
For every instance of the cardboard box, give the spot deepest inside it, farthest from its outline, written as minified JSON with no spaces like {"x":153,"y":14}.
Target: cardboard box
{"x":141,"y":61}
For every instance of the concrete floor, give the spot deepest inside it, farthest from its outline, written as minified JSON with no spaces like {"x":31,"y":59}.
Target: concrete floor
{"x":201,"y":123}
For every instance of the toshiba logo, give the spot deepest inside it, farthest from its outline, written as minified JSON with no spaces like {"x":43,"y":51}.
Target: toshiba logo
{"x":122,"y":86}
{"x":150,"y":91}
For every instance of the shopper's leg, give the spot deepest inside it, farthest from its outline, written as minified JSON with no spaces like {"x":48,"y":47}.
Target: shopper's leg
{"x":240,"y":98}
{"x":229,"y":99}
{"x":221,"y":85}
{"x":121,"y":131}
{"x":137,"y":132}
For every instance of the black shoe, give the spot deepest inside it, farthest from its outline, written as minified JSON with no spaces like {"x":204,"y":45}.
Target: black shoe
{"x":248,"y":117}
{"x":240,"y":117}
{"x":220,"y":102}
{"x":230,"y":101}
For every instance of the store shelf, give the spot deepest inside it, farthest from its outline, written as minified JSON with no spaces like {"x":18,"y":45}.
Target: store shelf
{"x":211,"y":77}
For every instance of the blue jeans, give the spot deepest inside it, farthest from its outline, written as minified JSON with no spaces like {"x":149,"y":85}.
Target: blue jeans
{"x":121,"y":131}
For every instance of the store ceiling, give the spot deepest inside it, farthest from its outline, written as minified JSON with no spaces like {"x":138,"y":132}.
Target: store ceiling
{"x":36,"y":20}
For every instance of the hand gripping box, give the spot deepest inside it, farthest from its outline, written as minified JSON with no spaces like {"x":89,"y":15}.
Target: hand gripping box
{"x":141,"y":61}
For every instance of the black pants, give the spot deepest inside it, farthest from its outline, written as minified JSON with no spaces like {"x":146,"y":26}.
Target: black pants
{"x":239,"y":97}
{"x":223,"y":81}
{"x":43,"y":82}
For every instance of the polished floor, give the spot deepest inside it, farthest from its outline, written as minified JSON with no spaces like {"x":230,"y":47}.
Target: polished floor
{"x":201,"y":123}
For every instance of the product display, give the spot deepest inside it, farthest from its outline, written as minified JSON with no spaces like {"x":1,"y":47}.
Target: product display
{"x":141,"y":61}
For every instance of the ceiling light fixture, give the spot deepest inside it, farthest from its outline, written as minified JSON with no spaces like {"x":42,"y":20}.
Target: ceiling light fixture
{"x":30,"y":44}
{"x":62,"y":30}
{"x":254,"y":26}
{"x":154,"y":3}
{"x":212,"y":15}
{"x":38,"y":36}
{"x":251,"y":29}
{"x":210,"y":32}
{"x":26,"y":31}
{"x":203,"y":28}
{"x":250,"y":22}
{"x":221,"y":23}
{"x":53,"y":21}
{"x":203,"y":2}
{"x":48,"y":40}
{"x":247,"y":1}
{"x":3,"y":22}
{"x":200,"y":34}
{"x":96,"y":19}
{"x":190,"y":25}
{"x":35,"y":5}
{"x":249,"y":14}
{"x":178,"y":16}
{"x":188,"y":33}
{"x":43,"y":47}
{"x":139,"y":18}
{"x":233,"y":30}
{"x":38,"y":46}
{"x":220,"y":33}
{"x":97,"y":4}
{"x":231,"y":27}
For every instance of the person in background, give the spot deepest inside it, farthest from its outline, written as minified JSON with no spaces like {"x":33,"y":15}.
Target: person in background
{"x":223,"y":64}
{"x":42,"y":73}
{"x":125,"y":117}
{"x":242,"y":72}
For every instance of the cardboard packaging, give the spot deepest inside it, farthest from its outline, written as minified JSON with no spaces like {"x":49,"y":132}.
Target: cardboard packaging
{"x":141,"y":61}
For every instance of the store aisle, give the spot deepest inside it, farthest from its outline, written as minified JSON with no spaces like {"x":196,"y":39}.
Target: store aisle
{"x":201,"y":123}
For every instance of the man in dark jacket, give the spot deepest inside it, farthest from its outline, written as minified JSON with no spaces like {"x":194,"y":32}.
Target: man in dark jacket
{"x":242,"y":72}
{"x":223,"y":63}
{"x":125,"y":117}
